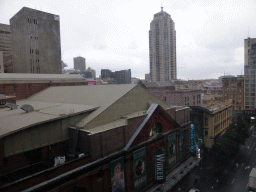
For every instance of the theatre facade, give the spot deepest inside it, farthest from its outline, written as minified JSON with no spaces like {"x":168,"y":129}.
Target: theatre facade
{"x":128,"y":142}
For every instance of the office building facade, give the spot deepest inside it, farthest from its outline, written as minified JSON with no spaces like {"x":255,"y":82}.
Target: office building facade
{"x":106,"y":73}
{"x":79,"y":63}
{"x":162,"y":48}
{"x":123,"y":76}
{"x":36,"y":42}
{"x":233,"y":88}
{"x":5,"y":39}
{"x":249,"y":75}
{"x":5,"y":44}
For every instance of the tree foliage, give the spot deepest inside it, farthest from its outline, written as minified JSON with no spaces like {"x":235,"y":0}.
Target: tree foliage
{"x":226,"y":148}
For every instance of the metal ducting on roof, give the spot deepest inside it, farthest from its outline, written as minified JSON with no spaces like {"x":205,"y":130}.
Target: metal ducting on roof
{"x":11,"y":106}
{"x":27,"y":108}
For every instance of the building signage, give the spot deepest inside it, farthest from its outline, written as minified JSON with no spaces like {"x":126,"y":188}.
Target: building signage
{"x":160,"y":166}
{"x":192,"y":138}
{"x":91,"y":82}
{"x":182,"y":144}
{"x":139,"y":169}
{"x":171,"y":147}
{"x":117,"y":175}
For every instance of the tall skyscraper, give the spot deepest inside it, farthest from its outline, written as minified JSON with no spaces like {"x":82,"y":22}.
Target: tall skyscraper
{"x":249,"y":75}
{"x":79,"y":63}
{"x":162,"y":48}
{"x":36,"y":42}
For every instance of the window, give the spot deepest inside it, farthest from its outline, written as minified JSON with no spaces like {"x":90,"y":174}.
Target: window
{"x":206,"y":133}
{"x":156,"y":128}
{"x":206,"y":121}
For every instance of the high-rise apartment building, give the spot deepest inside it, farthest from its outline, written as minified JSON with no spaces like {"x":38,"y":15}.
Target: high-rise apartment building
{"x":249,"y":75}
{"x":106,"y":73}
{"x":162,"y":48}
{"x":79,"y":63}
{"x":36,"y":42}
{"x":123,"y":76}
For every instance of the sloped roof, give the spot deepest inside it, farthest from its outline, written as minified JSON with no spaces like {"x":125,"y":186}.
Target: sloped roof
{"x":106,"y":103}
{"x":149,"y":113}
{"x":97,"y":95}
{"x":12,"y":121}
{"x":100,"y":95}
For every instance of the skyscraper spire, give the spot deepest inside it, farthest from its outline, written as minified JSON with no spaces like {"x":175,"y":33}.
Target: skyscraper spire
{"x":161,"y":7}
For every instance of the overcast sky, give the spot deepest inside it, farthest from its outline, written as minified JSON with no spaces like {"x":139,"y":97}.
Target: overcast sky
{"x":113,"y":34}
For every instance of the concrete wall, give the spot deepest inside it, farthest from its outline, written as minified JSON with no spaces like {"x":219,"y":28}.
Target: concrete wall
{"x":36,"y":42}
{"x":1,"y":62}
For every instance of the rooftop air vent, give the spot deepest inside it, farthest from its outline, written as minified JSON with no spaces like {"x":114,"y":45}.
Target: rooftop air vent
{"x":27,"y":108}
{"x":11,"y":106}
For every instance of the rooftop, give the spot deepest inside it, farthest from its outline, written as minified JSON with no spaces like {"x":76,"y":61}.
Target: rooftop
{"x":16,"y":120}
{"x":28,"y":77}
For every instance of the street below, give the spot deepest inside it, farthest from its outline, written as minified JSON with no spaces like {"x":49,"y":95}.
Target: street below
{"x":235,"y":177}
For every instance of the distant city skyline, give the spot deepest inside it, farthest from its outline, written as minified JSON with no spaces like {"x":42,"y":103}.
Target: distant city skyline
{"x":114,"y":34}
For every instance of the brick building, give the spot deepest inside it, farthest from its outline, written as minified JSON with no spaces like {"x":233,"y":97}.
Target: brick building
{"x":24,"y":85}
{"x":98,"y":129}
{"x":212,"y":90}
{"x":168,"y":93}
{"x":233,"y":88}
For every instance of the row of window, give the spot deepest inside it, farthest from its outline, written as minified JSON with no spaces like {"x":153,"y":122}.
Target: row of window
{"x":250,"y":107}
{"x":29,"y":20}
{"x":5,"y":32}
{"x":36,"y":51}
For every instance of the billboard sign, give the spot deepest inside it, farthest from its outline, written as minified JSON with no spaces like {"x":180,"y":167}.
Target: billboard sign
{"x":160,"y":174}
{"x":91,"y":82}
{"x":139,"y":169}
{"x":192,"y":138}
{"x":117,"y":175}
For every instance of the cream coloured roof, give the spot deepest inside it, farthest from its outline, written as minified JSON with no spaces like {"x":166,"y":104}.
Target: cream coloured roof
{"x":97,"y":95}
{"x":55,"y":102}
{"x":15,"y":120}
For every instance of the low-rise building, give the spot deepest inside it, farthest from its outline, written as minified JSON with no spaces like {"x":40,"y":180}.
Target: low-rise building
{"x":102,"y":132}
{"x":212,"y":120}
{"x":24,"y":85}
{"x":168,"y":93}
